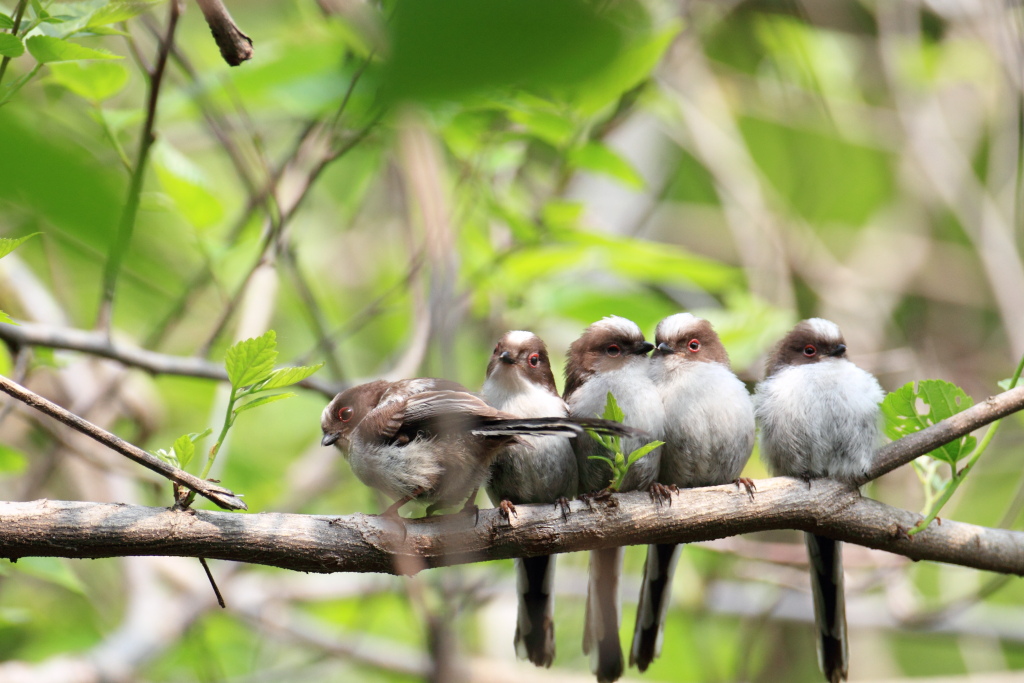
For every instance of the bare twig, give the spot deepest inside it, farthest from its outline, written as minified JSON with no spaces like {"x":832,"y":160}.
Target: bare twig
{"x":235,"y":46}
{"x":218,"y":494}
{"x":98,"y":344}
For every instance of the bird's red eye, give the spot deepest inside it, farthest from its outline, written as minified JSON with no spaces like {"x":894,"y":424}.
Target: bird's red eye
{"x":345,"y":414}
{"x":694,"y":345}
{"x":810,"y":351}
{"x":534,"y":360}
{"x":613,"y":350}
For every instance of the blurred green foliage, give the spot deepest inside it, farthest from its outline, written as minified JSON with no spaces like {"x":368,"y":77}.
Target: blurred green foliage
{"x":473,"y":168}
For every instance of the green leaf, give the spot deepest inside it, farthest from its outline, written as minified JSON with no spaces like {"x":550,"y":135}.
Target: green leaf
{"x":9,"y":244}
{"x":943,"y":400}
{"x":94,"y":81}
{"x":251,"y":360}
{"x":184,"y":449}
{"x":283,"y":377}
{"x":168,"y":458}
{"x":188,"y":185}
{"x":11,"y":45}
{"x":6,"y":21}
{"x":642,"y":451}
{"x":120,"y":10}
{"x":1004,"y":384}
{"x":263,"y":400}
{"x":599,"y":158}
{"x":48,"y":49}
{"x":4,"y":318}
{"x":612,"y":411}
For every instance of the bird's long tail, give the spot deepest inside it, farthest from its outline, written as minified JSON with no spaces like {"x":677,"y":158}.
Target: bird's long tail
{"x":826,"y":560}
{"x":601,"y":623}
{"x":655,"y":591}
{"x":535,"y":629}
{"x":561,"y":426}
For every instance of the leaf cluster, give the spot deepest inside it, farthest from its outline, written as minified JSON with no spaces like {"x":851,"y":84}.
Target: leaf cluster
{"x":617,"y":461}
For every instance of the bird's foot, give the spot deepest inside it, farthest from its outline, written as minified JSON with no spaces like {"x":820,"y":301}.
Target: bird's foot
{"x":471,"y":508}
{"x":563,"y":503}
{"x":507,"y":510}
{"x":660,"y":493}
{"x":748,"y":484}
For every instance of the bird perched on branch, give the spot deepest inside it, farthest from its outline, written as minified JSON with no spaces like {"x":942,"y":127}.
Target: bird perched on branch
{"x":611,"y":356}
{"x":819,"y":418}
{"x":533,"y":469}
{"x":429,"y":439}
{"x":709,"y":434}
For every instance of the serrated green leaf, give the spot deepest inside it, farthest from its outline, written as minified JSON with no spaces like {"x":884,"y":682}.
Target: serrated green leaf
{"x":942,"y":399}
{"x":251,"y":360}
{"x":120,"y":10}
{"x":94,"y":81}
{"x":643,"y":450}
{"x":612,"y":411}
{"x":263,"y":400}
{"x":9,"y":244}
{"x":283,"y":377}
{"x":6,"y":21}
{"x":11,"y":45}
{"x":599,"y":158}
{"x":49,"y":49}
{"x":184,"y":449}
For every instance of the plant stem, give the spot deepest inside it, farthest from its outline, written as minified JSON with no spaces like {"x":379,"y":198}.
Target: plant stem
{"x":959,"y":477}
{"x":18,"y":13}
{"x":131,"y":208}
{"x":215,"y":448}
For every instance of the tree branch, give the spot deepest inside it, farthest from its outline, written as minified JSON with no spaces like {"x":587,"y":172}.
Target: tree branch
{"x":218,"y":494}
{"x":899,"y":453}
{"x":235,"y":46}
{"x":366,"y":543}
{"x":98,"y":344}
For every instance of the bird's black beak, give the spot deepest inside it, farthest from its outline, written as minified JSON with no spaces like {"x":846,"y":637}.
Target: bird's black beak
{"x":328,"y":439}
{"x":665,"y":348}
{"x":643,"y":348}
{"x":506,"y":357}
{"x":839,"y":351}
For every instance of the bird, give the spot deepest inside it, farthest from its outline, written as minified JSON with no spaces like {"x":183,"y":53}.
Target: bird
{"x":611,"y":357}
{"x":709,"y":435}
{"x":533,"y":469}
{"x":819,"y":416}
{"x":430,"y":439}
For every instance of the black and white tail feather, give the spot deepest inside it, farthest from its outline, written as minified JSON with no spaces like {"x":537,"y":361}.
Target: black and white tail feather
{"x":826,"y":560}
{"x":649,"y":632}
{"x":551,"y":426}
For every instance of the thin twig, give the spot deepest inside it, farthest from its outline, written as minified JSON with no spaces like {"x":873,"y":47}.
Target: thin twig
{"x":131,"y":208}
{"x":218,"y":494}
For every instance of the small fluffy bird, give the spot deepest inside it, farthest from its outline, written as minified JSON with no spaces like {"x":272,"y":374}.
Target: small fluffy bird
{"x":611,"y":356}
{"x":532,"y":469}
{"x":819,"y":418}
{"x":709,"y":435}
{"x":430,"y":439}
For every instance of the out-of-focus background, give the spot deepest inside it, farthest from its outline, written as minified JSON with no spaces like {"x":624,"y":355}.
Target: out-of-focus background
{"x":391,"y":186}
